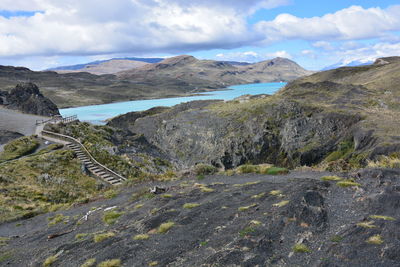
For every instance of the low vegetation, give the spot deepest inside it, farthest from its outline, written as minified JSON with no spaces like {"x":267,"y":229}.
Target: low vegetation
{"x":58,"y":219}
{"x":42,"y":183}
{"x":141,"y":237}
{"x":331,"y":178}
{"x":110,"y":263}
{"x":190,"y":205}
{"x":347,"y":183}
{"x":382,"y":217}
{"x":89,"y":263}
{"x":18,"y":148}
{"x":246,"y":208}
{"x":165,"y":227}
{"x":49,"y":261}
{"x":301,"y":248}
{"x":204,"y":169}
{"x":375,"y":240}
{"x":281,"y":204}
{"x":100,"y":237}
{"x":110,"y":217}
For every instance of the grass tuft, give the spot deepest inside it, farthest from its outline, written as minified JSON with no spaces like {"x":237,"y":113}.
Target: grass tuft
{"x":246,"y":231}
{"x":246,"y":208}
{"x":110,"y":217}
{"x":89,"y":263}
{"x":382,"y":217}
{"x":369,"y":224}
{"x":281,"y":204}
{"x":375,"y":240}
{"x":141,"y":237}
{"x":331,"y":178}
{"x":190,"y":205}
{"x":110,"y":263}
{"x":347,"y":183}
{"x":301,"y":248}
{"x":100,"y":237}
{"x":165,"y":227}
{"x":49,"y":261}
{"x":258,"y":196}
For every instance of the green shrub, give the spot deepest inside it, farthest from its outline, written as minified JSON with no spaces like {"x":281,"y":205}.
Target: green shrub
{"x":57,"y":219}
{"x":190,"y":205}
{"x":100,"y":237}
{"x":18,"y":148}
{"x":344,"y":149}
{"x":141,"y":237}
{"x":205,"y":169}
{"x":301,"y":248}
{"x":110,"y":217}
{"x":248,"y":168}
{"x":331,"y":178}
{"x":165,"y":227}
{"x":276,"y":171}
{"x":246,"y":231}
{"x":347,"y":183}
{"x":336,"y":238}
{"x":49,"y":261}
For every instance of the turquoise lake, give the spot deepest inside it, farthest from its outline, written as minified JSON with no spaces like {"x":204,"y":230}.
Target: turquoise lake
{"x":97,"y":114}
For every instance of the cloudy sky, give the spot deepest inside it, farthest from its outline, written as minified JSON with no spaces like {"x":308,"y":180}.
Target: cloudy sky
{"x":46,"y":33}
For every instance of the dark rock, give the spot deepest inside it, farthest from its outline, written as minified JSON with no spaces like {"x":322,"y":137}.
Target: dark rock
{"x":28,"y":99}
{"x":7,"y":136}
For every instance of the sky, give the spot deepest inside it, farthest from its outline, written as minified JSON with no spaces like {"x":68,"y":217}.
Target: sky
{"x":42,"y":34}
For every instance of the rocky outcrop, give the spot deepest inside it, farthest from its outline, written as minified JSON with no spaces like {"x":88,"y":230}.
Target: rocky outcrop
{"x":286,"y":133}
{"x":27,"y":98}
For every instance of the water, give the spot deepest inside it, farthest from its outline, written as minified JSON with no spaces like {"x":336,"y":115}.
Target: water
{"x":97,"y":114}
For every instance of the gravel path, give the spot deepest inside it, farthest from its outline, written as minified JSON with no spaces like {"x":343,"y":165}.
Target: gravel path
{"x":15,"y":121}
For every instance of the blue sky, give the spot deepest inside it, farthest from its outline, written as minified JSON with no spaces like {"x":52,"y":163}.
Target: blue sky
{"x":40,"y":34}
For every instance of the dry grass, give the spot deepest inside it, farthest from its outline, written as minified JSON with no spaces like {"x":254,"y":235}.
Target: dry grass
{"x":375,"y":240}
{"x":382,"y":217}
{"x":89,"y":263}
{"x":49,"y":261}
{"x":101,"y":237}
{"x":165,"y":227}
{"x":141,"y":237}
{"x":110,"y":263}
{"x":281,"y":204}
{"x":246,"y":208}
{"x":301,"y":248}
{"x":369,"y":224}
{"x":190,"y":205}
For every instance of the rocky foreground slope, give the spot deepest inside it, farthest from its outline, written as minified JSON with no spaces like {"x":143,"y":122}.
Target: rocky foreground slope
{"x":176,"y":76}
{"x":246,"y":220}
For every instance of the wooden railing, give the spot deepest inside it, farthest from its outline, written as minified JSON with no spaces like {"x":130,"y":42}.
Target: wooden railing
{"x":76,"y":141}
{"x":58,"y":119}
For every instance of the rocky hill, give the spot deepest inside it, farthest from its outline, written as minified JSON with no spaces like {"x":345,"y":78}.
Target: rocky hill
{"x":108,"y":67}
{"x":177,"y":76}
{"x":215,"y":74}
{"x":28,"y":99}
{"x":342,"y":116}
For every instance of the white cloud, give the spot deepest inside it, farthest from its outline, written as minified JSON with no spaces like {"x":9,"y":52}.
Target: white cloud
{"x":91,"y":27}
{"x":251,"y":56}
{"x":350,"y":23}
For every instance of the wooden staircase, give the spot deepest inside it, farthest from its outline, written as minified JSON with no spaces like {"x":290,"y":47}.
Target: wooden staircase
{"x":93,"y":167}
{"x":97,"y":169}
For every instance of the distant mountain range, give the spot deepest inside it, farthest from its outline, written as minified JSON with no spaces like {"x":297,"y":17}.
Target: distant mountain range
{"x":176,"y":76}
{"x":354,"y":63}
{"x":116,"y":65}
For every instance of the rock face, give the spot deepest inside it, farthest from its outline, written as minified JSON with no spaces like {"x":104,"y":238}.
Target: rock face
{"x":287,"y":133}
{"x":28,"y":99}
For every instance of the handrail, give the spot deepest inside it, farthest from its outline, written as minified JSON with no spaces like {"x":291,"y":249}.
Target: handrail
{"x":87,"y":151}
{"x":58,"y":118}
